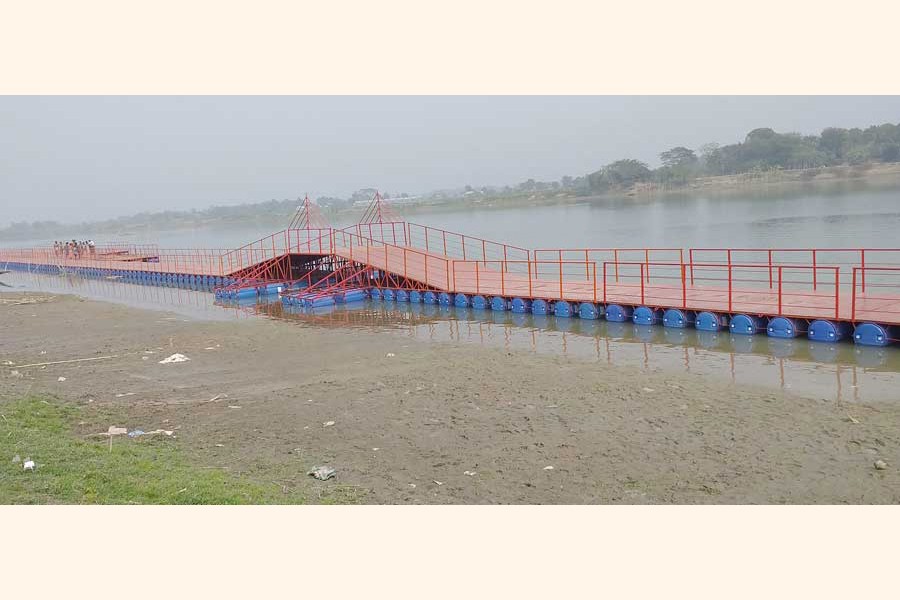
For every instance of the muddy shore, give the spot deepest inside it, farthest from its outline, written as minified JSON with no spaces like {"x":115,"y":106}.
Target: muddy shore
{"x":420,"y":422}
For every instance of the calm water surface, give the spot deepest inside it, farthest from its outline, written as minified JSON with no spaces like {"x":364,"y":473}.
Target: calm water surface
{"x":840,"y":373}
{"x":852,"y":216}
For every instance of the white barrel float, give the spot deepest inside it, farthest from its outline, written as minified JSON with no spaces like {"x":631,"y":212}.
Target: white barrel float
{"x":616,"y":313}
{"x":520,"y":305}
{"x":589,"y":310}
{"x":561,"y":308}
{"x":873,"y":334}
{"x":540,"y":307}
{"x":499,"y":303}
{"x":644,"y":315}
{"x":785,"y":327}
{"x":677,"y":318}
{"x":746,"y":324}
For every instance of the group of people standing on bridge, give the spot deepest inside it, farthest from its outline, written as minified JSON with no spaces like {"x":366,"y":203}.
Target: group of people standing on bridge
{"x":74,"y":249}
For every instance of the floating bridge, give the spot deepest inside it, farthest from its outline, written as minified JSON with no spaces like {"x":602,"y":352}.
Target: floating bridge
{"x":826,"y":294}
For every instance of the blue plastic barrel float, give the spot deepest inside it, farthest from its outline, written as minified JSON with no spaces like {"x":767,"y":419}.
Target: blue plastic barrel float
{"x":479,"y":302}
{"x":785,"y":327}
{"x":616,"y":313}
{"x":375,"y":293}
{"x":589,"y":310}
{"x":644,"y":315}
{"x":540,"y":307}
{"x":499,"y":303}
{"x":388,"y":294}
{"x":354,"y":296}
{"x":430,"y":298}
{"x":402,"y":296}
{"x":461,"y":300}
{"x":415,"y":296}
{"x":520,"y":305}
{"x":873,"y":334}
{"x":677,"y":318}
{"x":444,"y":299}
{"x":320,"y":302}
{"x":561,"y":308}
{"x":246,"y":293}
{"x":746,"y":324}
{"x":710,"y":321}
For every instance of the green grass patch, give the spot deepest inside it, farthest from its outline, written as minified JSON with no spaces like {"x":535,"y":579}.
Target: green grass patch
{"x":71,"y":469}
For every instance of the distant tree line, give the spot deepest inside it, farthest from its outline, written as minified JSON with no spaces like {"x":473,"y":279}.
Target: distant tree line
{"x":762,"y":150}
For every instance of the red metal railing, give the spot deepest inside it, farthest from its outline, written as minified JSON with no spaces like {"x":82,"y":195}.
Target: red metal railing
{"x":879,"y":300}
{"x":439,"y":241}
{"x":724,"y":288}
{"x":410,"y":263}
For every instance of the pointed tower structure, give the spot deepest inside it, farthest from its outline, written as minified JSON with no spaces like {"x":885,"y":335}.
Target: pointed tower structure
{"x":309,"y":216}
{"x":379,"y":211}
{"x":381,"y":223}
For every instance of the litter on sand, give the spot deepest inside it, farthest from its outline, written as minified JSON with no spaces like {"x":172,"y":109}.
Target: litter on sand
{"x":880,"y":465}
{"x":322,"y":473}
{"x":125,"y":394}
{"x":327,"y":423}
{"x":28,"y":465}
{"x":470,"y":473}
{"x":437,"y":482}
{"x":548,"y":468}
{"x":391,"y":355}
{"x":61,"y":379}
{"x":113,"y":430}
{"x":138,"y":433}
{"x":175,"y":358}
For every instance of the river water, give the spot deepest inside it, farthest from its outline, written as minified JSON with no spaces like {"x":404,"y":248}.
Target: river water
{"x":848,"y":216}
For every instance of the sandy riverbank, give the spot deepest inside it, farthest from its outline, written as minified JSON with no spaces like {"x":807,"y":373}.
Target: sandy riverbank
{"x":435,"y":411}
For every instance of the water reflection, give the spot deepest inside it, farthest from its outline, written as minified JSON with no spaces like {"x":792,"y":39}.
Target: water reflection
{"x":841,"y":372}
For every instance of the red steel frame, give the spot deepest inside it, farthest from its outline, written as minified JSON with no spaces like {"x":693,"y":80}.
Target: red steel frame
{"x":851,"y":284}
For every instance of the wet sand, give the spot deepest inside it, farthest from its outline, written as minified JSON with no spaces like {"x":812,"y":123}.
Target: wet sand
{"x":435,"y":411}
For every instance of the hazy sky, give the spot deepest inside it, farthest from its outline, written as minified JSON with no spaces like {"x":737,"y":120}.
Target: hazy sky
{"x":79,"y":158}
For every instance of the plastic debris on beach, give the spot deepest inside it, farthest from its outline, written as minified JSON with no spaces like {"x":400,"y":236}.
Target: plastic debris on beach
{"x":138,"y":432}
{"x":175,"y":358}
{"x":28,"y":465}
{"x":322,"y":473}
